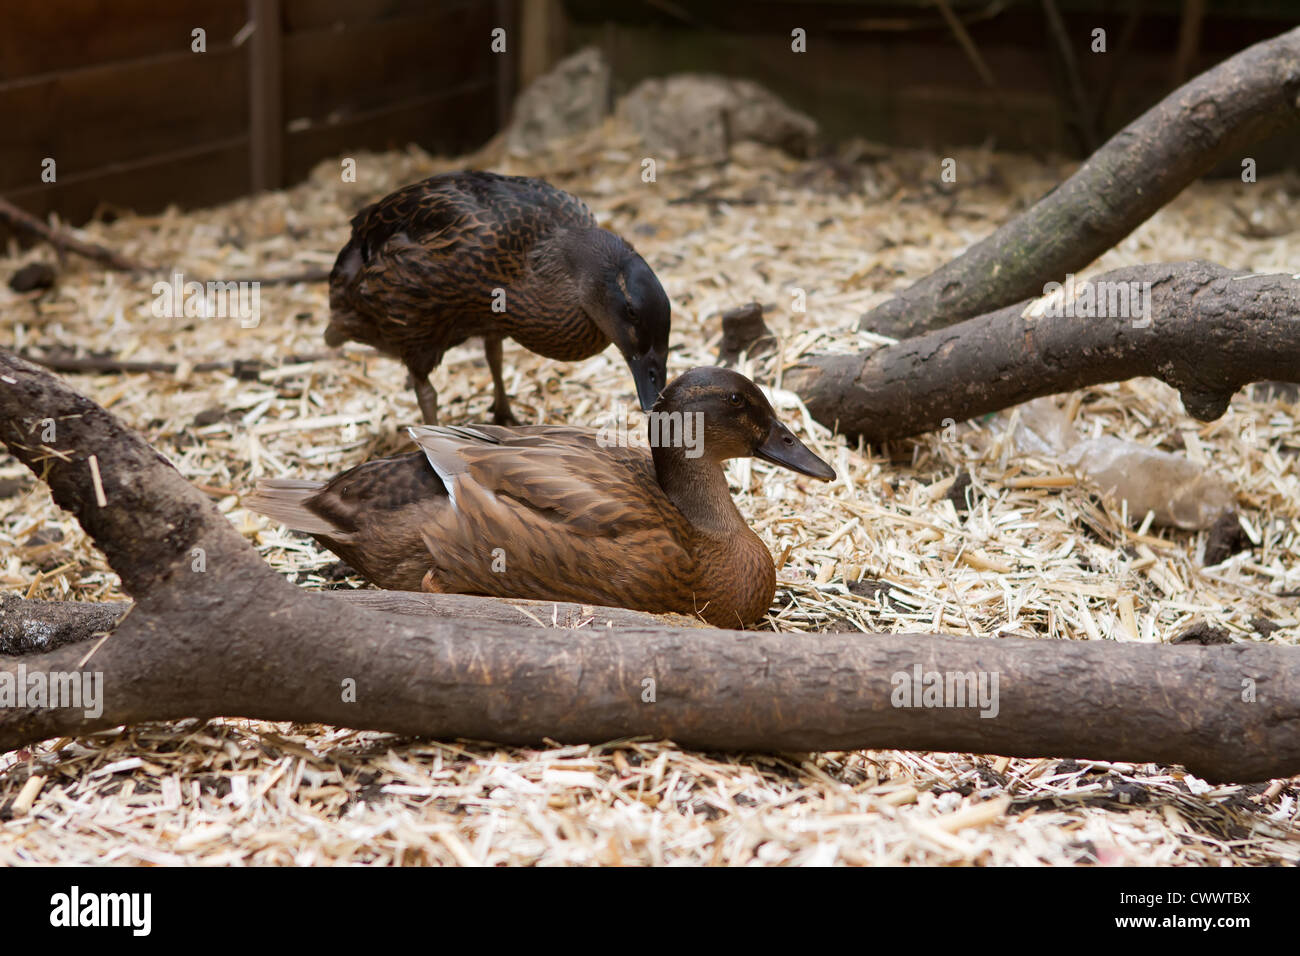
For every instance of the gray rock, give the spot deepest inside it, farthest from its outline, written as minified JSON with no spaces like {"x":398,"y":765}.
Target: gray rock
{"x":701,"y":115}
{"x":573,"y":97}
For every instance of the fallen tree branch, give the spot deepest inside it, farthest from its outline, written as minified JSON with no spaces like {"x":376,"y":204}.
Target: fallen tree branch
{"x":237,"y":640}
{"x":1140,"y":169}
{"x":63,"y":241}
{"x":58,"y":360}
{"x":32,"y":626}
{"x":1210,"y":331}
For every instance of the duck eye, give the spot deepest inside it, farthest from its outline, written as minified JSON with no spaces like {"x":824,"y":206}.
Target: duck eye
{"x":735,"y":399}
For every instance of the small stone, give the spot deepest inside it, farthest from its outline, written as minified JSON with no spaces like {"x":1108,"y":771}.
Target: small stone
{"x":1204,"y":634}
{"x":34,"y":275}
{"x":209,"y":416}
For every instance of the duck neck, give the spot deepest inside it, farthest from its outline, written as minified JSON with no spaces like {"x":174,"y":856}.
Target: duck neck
{"x":698,"y":489}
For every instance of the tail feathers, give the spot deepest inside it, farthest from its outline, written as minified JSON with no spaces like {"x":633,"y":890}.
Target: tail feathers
{"x":285,"y":500}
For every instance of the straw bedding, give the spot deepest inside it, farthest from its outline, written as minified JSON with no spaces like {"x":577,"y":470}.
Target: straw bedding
{"x":890,"y":545}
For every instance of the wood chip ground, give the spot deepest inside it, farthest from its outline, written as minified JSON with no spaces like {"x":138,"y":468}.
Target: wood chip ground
{"x":883,"y":548}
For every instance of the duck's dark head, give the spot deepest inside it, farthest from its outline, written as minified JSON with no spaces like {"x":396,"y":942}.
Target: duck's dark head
{"x":629,"y":305}
{"x":738,"y":421}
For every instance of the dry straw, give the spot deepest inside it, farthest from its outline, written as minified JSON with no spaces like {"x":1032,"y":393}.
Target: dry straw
{"x":884,"y":547}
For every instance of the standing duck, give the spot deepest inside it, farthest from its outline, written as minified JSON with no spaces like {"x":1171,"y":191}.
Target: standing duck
{"x":478,"y":254}
{"x":553,"y":512}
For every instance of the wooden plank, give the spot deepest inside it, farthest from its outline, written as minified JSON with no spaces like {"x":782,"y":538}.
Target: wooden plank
{"x":543,"y":25}
{"x":368,"y":66}
{"x":266,"y":96}
{"x":449,"y":123}
{"x":189,"y":178}
{"x":40,"y":38}
{"x":121,"y":112}
{"x":507,"y":78}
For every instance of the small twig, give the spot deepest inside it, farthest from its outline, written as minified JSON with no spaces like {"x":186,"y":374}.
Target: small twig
{"x":64,"y":241}
{"x":1056,"y":27}
{"x":1118,"y":58}
{"x":110,"y":365}
{"x":715,"y":199}
{"x":293,"y":278}
{"x":967,"y":43}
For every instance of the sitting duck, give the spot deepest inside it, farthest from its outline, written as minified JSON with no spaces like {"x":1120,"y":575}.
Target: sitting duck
{"x":469,"y":254}
{"x":554,"y":512}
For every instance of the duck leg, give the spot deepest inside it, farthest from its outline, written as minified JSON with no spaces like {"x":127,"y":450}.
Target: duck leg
{"x":425,"y":394}
{"x":501,"y":413}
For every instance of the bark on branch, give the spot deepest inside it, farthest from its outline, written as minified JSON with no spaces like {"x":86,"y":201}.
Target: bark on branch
{"x":1210,"y":330}
{"x":237,"y":640}
{"x":1141,"y":168}
{"x":20,"y":220}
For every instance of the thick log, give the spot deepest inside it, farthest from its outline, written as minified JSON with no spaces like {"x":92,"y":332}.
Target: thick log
{"x":32,"y":626}
{"x":1209,"y":331}
{"x":237,"y":640}
{"x":1226,"y":712}
{"x":1213,"y":118}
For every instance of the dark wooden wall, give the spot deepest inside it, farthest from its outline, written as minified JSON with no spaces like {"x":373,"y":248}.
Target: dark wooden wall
{"x":892,"y":71}
{"x":111,"y":90}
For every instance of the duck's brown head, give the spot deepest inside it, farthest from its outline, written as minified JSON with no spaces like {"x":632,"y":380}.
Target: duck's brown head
{"x":737,"y":421}
{"x":625,"y":300}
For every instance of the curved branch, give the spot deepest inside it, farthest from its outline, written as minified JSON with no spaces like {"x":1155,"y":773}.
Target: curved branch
{"x":1210,"y":330}
{"x":148,"y":520}
{"x":1140,"y":169}
{"x":238,"y":640}
{"x":22,"y":221}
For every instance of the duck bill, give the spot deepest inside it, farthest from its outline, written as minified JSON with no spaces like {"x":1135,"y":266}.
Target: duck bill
{"x":782,"y":448}
{"x":649,"y":372}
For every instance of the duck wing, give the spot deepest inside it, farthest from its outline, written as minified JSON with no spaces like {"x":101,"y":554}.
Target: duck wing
{"x":547,"y":512}
{"x":480,"y":212}
{"x":423,"y":260}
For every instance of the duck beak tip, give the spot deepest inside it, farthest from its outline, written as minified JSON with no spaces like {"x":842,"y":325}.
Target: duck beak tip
{"x":782,"y":448}
{"x":648,"y":373}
